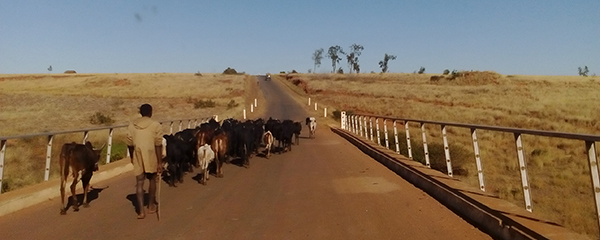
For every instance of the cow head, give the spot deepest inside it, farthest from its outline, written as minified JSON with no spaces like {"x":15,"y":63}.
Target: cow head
{"x":95,"y":153}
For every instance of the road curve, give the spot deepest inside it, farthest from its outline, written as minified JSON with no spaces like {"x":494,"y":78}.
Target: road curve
{"x":325,"y":188}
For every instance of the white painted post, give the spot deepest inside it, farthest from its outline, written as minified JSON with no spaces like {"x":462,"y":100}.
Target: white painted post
{"x":216,"y":117}
{"x":109,"y":149}
{"x":366,"y":128}
{"x":425,"y":148}
{"x":387,"y":142}
{"x":244,"y":113}
{"x":523,"y":169}
{"x":189,"y":123}
{"x":251,"y":108}
{"x":255,"y":103}
{"x":371,"y":127}
{"x":447,"y":151}
{"x":315,"y":106}
{"x":378,"y":136}
{"x":2,"y":153}
{"x":593,"y":164}
{"x":325,"y":112}
{"x":360,"y":125}
{"x":171,"y":132}
{"x":396,"y":138}
{"x":85,"y":136}
{"x":478,"y":159}
{"x":48,"y":157}
{"x":410,"y":156}
{"x":343,"y":120}
{"x":308,"y":101}
{"x":180,"y":124}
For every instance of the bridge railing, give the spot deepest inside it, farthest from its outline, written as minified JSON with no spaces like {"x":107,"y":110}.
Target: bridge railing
{"x":191,"y":123}
{"x":363,"y":125}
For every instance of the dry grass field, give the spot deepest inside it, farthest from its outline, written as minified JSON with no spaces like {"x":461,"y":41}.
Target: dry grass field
{"x":39,"y":103}
{"x":558,"y":169}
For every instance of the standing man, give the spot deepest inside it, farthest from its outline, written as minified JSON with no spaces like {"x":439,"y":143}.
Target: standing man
{"x":144,"y":142}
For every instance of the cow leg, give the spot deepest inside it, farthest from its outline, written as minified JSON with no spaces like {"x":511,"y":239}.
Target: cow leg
{"x":139,"y":193}
{"x":63,"y":207}
{"x":86,"y":187}
{"x":74,"y":201}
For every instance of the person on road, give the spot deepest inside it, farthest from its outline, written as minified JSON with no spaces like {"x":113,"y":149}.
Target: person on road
{"x":144,"y":142}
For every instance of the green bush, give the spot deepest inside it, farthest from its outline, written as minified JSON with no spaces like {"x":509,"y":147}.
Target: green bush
{"x":204,"y":104}
{"x":100,"y":119}
{"x":230,"y":71}
{"x":232,"y":104}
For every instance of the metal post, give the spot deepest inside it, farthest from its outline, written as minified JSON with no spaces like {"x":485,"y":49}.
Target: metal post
{"x":48,"y":157}
{"x":447,"y":151}
{"x":244,"y":113}
{"x":410,"y":156}
{"x":255,"y":103}
{"x":425,"y":148}
{"x":594,"y":174}
{"x":523,"y":169}
{"x":308,"y":101}
{"x":171,"y":132}
{"x":2,"y":153}
{"x":478,"y":158}
{"x":354,"y":124}
{"x":396,"y":138}
{"x":325,"y":112}
{"x":371,"y":128}
{"x":343,"y":120}
{"x":377,"y":127}
{"x":315,"y":106}
{"x":180,"y":125}
{"x":109,"y":147}
{"x":387,"y":142}
{"x":85,"y":136}
{"x":366,"y":128}
{"x":360,"y":125}
{"x":251,"y":108}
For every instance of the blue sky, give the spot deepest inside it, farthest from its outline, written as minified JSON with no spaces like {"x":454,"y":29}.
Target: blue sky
{"x":551,"y":37}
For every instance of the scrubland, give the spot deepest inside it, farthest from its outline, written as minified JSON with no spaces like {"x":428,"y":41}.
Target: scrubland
{"x":558,"y":168}
{"x":42,"y":103}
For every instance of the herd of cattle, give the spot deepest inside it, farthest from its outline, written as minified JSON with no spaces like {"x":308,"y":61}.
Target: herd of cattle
{"x":211,"y":142}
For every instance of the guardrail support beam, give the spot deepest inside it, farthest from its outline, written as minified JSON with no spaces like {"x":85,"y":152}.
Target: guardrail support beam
{"x":2,"y":154}
{"x":523,"y":170}
{"x":425,"y":148}
{"x":410,"y":155}
{"x":590,"y":146}
{"x":447,"y":151}
{"x":478,"y":159}
{"x":49,"y":157}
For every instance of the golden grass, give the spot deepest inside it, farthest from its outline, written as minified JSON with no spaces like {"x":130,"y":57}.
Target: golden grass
{"x":37,"y":103}
{"x":558,"y":168}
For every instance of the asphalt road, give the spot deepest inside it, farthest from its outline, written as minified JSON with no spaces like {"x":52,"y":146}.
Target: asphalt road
{"x":325,"y":188}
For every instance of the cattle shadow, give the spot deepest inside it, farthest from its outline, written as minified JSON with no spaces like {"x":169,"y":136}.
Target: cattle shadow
{"x":92,"y":195}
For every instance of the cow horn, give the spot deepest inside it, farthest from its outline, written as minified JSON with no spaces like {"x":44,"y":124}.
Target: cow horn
{"x":101,"y":148}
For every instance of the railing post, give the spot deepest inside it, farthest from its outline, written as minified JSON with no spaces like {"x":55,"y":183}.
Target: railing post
{"x":171,"y":126}
{"x":195,"y":123}
{"x":189,"y":123}
{"x":366,"y":128}
{"x":371,"y":127}
{"x":180,"y":125}
{"x":325,"y":112}
{"x":109,"y":145}
{"x":352,"y":123}
{"x":343,"y":120}
{"x":378,"y":134}
{"x":590,"y":146}
{"x":447,"y":151}
{"x":410,"y":155}
{"x":523,"y":169}
{"x":244,"y":113}
{"x":360,"y":125}
{"x":48,"y":157}
{"x":85,"y":136}
{"x":2,"y":154}
{"x":478,"y":159}
{"x":387,"y":142}
{"x":308,"y":101}
{"x":354,"y":126}
{"x":315,"y":106}
{"x":255,"y":103}
{"x":425,"y":148}
{"x":251,"y":108}
{"x":396,"y":138}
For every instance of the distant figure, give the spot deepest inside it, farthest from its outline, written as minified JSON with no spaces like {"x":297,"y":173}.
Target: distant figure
{"x":144,"y":142}
{"x":312,"y":126}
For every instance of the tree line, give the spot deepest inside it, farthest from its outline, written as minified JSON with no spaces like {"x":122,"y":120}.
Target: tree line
{"x":335,"y":53}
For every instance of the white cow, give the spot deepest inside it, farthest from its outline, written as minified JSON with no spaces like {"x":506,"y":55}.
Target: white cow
{"x":205,"y":156}
{"x":268,"y":140}
{"x":312,"y":126}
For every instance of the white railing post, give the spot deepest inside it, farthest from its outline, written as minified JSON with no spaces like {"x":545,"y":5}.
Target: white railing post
{"x":2,"y":154}
{"x":244,"y":113}
{"x":366,"y":127}
{"x":425,"y":148}
{"x":410,"y":155}
{"x":523,"y":170}
{"x":189,"y":123}
{"x":387,"y":142}
{"x":447,"y":151}
{"x":315,"y":106}
{"x":378,"y":135}
{"x":590,"y":146}
{"x":354,"y":124}
{"x":180,"y":124}
{"x":109,"y":145}
{"x":371,"y":128}
{"x":396,"y":138}
{"x":251,"y":108}
{"x":478,"y":159}
{"x":360,"y":125}
{"x":171,"y":131}
{"x":308,"y":101}
{"x":343,"y":120}
{"x":255,"y":103}
{"x":325,"y":112}
{"x":48,"y":157}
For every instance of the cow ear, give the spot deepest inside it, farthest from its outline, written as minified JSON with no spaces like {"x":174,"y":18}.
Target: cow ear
{"x":88,"y":144}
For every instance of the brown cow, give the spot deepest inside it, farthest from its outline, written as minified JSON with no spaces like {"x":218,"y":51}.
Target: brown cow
{"x":79,"y":160}
{"x":219,"y":146}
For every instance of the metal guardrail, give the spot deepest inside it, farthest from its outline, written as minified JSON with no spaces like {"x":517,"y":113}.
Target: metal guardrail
{"x":50,"y":135}
{"x":358,"y":125}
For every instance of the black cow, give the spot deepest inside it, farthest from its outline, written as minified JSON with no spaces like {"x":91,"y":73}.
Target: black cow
{"x":176,"y":155}
{"x":297,"y":130}
{"x":77,"y":159}
{"x":287,"y":132}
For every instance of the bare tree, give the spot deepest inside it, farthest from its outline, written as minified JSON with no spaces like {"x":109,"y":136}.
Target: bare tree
{"x":317,"y":56}
{"x":384,"y":64}
{"x":583,"y":72}
{"x":50,"y":68}
{"x":334,"y":54}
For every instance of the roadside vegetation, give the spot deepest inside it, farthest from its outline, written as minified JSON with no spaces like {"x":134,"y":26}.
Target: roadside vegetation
{"x":38,"y":103}
{"x":558,"y":169}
